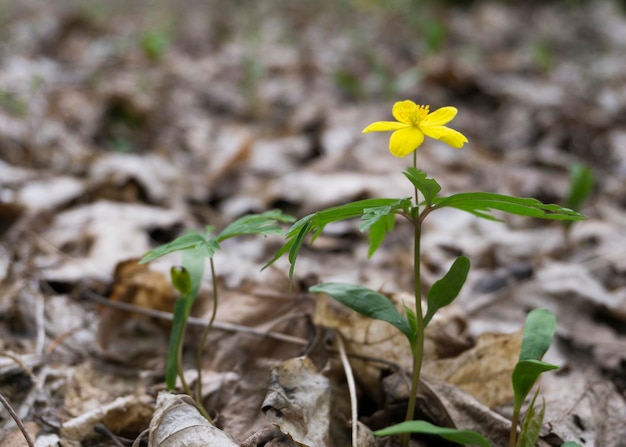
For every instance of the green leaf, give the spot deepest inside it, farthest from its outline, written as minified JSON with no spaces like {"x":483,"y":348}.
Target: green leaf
{"x":188,"y":240}
{"x":379,"y":221}
{"x":539,"y":330}
{"x":581,"y":185}
{"x":366,"y":302}
{"x":531,"y":425}
{"x":315,"y":223}
{"x":178,"y":327}
{"x":295,"y":248}
{"x":571,"y":444}
{"x":411,"y":317}
{"x":451,"y":434}
{"x":524,"y":376}
{"x":427,"y":186}
{"x":194,"y":263}
{"x":538,"y":333}
{"x":481,"y":204}
{"x":444,"y":291}
{"x":264,"y":224}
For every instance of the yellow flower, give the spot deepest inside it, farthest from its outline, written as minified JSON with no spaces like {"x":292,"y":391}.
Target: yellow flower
{"x":413,"y":122}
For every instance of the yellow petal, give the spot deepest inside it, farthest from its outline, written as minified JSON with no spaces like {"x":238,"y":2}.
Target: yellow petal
{"x":405,"y":111}
{"x":442,"y":133}
{"x":384,"y":126}
{"x":439,"y":117}
{"x":405,"y":141}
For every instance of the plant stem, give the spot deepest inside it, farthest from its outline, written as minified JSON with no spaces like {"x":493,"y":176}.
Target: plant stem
{"x":417,"y":346}
{"x":205,"y":335}
{"x":179,"y":359}
{"x":513,"y":432}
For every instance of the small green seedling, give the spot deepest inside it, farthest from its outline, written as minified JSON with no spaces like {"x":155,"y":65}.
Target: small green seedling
{"x":378,"y":216}
{"x":538,"y":333}
{"x":154,"y":43}
{"x":186,"y":279}
{"x":580,"y":188}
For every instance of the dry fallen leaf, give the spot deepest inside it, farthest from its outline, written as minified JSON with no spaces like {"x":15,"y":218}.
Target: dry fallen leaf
{"x":137,"y":285}
{"x":177,"y":422}
{"x":483,"y":371}
{"x":380,"y":340}
{"x":585,"y":409}
{"x":298,"y":401}
{"x":95,"y":237}
{"x":116,"y":415}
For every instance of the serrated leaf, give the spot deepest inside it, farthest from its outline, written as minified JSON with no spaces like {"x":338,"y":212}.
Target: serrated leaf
{"x":263,"y":224}
{"x":366,"y":302}
{"x":427,"y":186}
{"x":445,"y":290}
{"x":451,"y":434}
{"x":187,"y":241}
{"x":379,"y":221}
{"x":482,"y":203}
{"x":531,"y":424}
{"x":315,"y":223}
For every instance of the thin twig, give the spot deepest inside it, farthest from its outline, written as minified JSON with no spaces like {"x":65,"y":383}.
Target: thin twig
{"x":16,"y":358}
{"x":140,"y":437}
{"x":351,"y":388}
{"x":102,"y":429}
{"x":17,"y":420}
{"x":228,"y":327}
{"x":193,"y":321}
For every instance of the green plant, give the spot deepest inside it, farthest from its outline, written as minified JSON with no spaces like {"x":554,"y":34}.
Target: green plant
{"x":580,"y":187}
{"x":154,"y":43}
{"x":186,"y":279}
{"x":378,"y":216}
{"x":538,"y":332}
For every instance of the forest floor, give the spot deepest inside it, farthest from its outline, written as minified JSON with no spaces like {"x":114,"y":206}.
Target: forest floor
{"x":123,"y":124}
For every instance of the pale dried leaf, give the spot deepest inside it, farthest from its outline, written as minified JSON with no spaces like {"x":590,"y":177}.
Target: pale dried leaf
{"x":177,"y":422}
{"x":298,"y":401}
{"x":116,"y":414}
{"x":483,"y":371}
{"x":102,"y":234}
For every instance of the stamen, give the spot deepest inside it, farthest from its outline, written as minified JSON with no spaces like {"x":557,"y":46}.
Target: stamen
{"x":422,"y":111}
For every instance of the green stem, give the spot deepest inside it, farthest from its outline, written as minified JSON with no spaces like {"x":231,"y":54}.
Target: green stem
{"x":179,"y":359}
{"x":417,"y":345}
{"x":205,"y":335}
{"x":513,"y":432}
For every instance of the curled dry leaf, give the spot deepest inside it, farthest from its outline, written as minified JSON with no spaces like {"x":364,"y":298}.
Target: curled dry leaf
{"x":298,"y":401}
{"x":177,"y":422}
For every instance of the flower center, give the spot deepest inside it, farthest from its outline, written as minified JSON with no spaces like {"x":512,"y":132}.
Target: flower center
{"x":422,"y":111}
